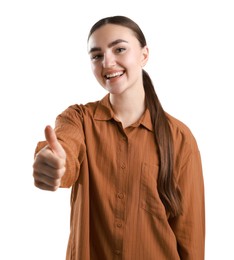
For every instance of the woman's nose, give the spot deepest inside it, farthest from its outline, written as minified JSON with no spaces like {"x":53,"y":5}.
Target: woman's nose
{"x":108,"y":60}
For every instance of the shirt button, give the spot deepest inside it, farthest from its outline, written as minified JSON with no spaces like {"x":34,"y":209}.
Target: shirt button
{"x":124,"y":138}
{"x":117,"y":252}
{"x":120,"y":195}
{"x":123,"y":166}
{"x":119,"y":225}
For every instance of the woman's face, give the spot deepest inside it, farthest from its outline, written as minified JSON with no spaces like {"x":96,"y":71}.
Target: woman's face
{"x":117,"y":58}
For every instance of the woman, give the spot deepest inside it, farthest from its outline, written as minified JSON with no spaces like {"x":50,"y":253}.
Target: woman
{"x":135,"y":171}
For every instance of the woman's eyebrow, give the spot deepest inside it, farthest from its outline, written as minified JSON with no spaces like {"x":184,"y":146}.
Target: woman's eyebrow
{"x":109,"y":45}
{"x":115,"y":42}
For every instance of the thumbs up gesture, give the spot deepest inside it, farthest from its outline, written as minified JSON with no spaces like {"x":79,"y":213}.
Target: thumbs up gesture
{"x":49,"y":164}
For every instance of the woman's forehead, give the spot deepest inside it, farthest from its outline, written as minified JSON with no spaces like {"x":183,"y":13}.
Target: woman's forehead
{"x":109,"y":33}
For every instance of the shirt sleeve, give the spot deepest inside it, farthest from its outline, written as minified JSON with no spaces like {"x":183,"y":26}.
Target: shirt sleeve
{"x":70,"y":134}
{"x":189,"y":228}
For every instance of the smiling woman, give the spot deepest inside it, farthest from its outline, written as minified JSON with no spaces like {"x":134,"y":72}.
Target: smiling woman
{"x":117,"y":59}
{"x":135,"y":171}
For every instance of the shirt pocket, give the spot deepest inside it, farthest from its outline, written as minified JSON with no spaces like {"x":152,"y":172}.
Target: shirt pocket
{"x":149,"y":197}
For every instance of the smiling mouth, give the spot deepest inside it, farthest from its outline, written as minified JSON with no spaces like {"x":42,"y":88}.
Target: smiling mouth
{"x":114,"y":75}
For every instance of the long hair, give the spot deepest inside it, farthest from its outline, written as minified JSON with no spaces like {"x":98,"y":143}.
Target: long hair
{"x":168,"y":192}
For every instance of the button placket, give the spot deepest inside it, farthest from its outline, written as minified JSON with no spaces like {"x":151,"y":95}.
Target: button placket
{"x":121,"y":184}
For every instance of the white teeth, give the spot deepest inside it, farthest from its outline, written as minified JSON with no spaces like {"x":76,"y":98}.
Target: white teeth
{"x":112,"y":75}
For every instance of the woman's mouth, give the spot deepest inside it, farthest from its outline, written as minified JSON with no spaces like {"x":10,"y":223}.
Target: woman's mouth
{"x":114,"y":75}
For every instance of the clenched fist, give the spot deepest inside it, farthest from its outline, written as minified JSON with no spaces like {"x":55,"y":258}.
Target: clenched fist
{"x":49,"y":164}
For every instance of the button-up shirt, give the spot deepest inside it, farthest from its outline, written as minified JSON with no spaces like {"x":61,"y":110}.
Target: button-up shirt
{"x":116,"y":211}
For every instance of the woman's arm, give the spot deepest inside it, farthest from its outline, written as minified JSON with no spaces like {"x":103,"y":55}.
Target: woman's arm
{"x":189,"y":228}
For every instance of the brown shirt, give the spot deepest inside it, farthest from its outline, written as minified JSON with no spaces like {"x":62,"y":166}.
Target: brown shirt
{"x":116,"y":212}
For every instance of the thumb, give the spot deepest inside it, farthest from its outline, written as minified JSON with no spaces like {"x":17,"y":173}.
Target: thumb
{"x":53,"y":143}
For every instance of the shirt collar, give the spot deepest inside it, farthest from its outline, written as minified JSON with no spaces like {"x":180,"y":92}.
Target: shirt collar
{"x":146,"y":120}
{"x":104,"y":112}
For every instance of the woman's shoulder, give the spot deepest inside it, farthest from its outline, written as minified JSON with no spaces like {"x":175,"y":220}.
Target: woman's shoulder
{"x":81,"y":110}
{"x":84,"y":109}
{"x":182,"y":134}
{"x":99,"y":109}
{"x":178,"y":125}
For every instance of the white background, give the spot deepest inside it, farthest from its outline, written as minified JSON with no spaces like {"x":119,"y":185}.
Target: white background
{"x":44,"y":67}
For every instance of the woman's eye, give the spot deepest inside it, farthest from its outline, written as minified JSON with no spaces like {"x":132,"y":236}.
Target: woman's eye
{"x":119,"y":50}
{"x":96,"y":57}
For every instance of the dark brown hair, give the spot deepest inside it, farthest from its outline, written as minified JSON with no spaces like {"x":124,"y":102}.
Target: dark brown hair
{"x":169,"y":193}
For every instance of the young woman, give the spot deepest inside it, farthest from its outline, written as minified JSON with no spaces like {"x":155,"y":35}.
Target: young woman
{"x":135,"y":171}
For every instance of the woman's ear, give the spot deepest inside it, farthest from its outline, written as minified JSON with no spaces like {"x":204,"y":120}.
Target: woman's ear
{"x":145,"y":56}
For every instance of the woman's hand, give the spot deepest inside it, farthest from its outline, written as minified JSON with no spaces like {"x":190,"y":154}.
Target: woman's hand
{"x":49,"y":163}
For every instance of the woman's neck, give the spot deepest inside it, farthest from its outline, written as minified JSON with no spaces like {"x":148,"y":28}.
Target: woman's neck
{"x":128,"y":106}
